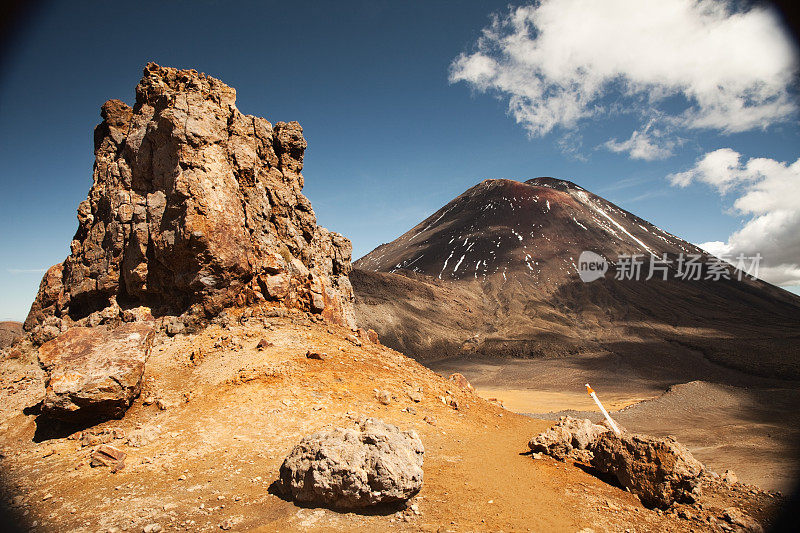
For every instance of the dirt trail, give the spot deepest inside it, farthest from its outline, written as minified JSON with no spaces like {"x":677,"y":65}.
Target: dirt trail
{"x":754,"y":430}
{"x":233,"y":413}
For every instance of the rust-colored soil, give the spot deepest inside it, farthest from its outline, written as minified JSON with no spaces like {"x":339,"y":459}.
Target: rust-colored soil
{"x":233,"y":413}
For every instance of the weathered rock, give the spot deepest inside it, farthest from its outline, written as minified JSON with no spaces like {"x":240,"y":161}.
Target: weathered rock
{"x":320,"y":356}
{"x":383,"y":396}
{"x":659,"y":471}
{"x":96,"y":372}
{"x":415,"y":396}
{"x":570,"y":437}
{"x":135,"y":314}
{"x":175,"y":326}
{"x":461,"y":381}
{"x":110,"y":456}
{"x":194,"y":207}
{"x":355,"y":468}
{"x":737,"y":517}
{"x":372,"y":336}
{"x":263,"y":344}
{"x":353,"y":339}
{"x":143,"y":436}
{"x":730,"y":477}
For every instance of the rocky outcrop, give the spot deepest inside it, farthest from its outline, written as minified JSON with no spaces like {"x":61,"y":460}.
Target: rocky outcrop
{"x":354,"y":468}
{"x":659,"y":471}
{"x":94,"y":373}
{"x":194,"y":207}
{"x":569,"y":438}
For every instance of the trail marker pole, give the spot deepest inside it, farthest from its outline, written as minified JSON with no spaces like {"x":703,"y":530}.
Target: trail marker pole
{"x":602,"y":409}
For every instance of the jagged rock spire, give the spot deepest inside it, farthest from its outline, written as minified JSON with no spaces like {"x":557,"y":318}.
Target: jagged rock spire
{"x":194,"y":207}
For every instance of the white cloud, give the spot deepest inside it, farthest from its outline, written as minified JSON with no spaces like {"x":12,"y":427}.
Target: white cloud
{"x":642,"y":145}
{"x":768,"y":193}
{"x":26,"y":270}
{"x":557,"y":60}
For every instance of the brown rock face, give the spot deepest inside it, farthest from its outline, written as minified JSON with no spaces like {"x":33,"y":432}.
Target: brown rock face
{"x":659,"y":471}
{"x":94,"y":373}
{"x":194,"y":207}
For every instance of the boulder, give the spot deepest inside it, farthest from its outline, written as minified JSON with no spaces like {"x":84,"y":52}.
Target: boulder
{"x":383,"y":396}
{"x":659,"y":470}
{"x":194,"y":207}
{"x":376,"y":463}
{"x":461,"y":381}
{"x":94,"y":373}
{"x":569,"y":438}
{"x":110,"y":456}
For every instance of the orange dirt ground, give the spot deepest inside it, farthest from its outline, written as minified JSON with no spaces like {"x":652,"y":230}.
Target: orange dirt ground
{"x":231,"y":414}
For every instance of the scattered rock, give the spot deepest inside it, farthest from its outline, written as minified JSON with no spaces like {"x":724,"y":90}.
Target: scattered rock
{"x":730,"y":477}
{"x":175,"y":326}
{"x":498,"y":402}
{"x":165,"y":404}
{"x":570,"y":437}
{"x":415,"y":396}
{"x":137,"y":314}
{"x":735,"y":516}
{"x":353,"y":339}
{"x":384,"y":397}
{"x":143,"y":436}
{"x":94,"y":437}
{"x":429,"y":419}
{"x":316,"y":355}
{"x":355,"y":468}
{"x":94,"y":373}
{"x":264,"y":344}
{"x":110,"y":456}
{"x":152,"y":528}
{"x":658,"y":470}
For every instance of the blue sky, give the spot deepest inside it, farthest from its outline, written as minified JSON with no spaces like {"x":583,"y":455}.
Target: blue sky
{"x":395,"y":130}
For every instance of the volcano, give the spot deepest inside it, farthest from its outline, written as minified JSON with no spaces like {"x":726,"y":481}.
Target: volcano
{"x":497,"y":271}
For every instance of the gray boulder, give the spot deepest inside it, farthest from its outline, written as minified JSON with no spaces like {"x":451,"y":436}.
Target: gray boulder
{"x":569,"y":438}
{"x":660,"y":471}
{"x":374,"y":464}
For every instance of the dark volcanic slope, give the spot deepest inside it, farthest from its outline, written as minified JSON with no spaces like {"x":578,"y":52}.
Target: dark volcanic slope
{"x":537,"y":228}
{"x":9,"y":332}
{"x":494,"y":273}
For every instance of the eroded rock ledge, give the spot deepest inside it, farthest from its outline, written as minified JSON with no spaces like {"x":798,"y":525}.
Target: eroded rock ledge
{"x":194,"y":207}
